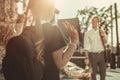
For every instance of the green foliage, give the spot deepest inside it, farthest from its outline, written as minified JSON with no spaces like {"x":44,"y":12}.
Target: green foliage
{"x":87,"y":14}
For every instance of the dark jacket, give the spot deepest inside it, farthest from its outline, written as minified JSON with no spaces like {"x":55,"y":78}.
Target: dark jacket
{"x":20,"y":61}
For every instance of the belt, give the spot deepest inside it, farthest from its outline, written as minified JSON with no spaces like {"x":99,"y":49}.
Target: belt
{"x":99,"y":52}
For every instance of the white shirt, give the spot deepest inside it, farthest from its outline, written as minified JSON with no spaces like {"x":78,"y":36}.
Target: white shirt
{"x":92,"y":41}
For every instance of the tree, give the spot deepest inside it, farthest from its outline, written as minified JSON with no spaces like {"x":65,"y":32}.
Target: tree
{"x":87,"y":14}
{"x":10,"y":20}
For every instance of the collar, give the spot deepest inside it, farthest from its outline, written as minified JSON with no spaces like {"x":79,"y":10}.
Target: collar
{"x":95,"y":30}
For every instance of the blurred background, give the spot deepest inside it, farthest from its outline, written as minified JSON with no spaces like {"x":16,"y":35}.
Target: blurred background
{"x":79,"y":13}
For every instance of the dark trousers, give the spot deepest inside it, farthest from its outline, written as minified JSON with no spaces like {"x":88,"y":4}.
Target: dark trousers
{"x":97,"y":63}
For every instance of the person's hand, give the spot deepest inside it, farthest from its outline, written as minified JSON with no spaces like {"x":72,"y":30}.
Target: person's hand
{"x":87,"y":62}
{"x":72,"y":32}
{"x":102,"y":33}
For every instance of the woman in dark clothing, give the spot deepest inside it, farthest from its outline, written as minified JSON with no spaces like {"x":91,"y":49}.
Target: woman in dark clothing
{"x":48,"y":39}
{"x":56,"y":52}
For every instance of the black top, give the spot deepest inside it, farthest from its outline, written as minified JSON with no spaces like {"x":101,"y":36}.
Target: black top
{"x":20,"y":62}
{"x":53,"y":41}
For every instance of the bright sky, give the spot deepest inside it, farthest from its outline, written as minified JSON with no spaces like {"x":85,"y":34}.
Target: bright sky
{"x":68,"y":8}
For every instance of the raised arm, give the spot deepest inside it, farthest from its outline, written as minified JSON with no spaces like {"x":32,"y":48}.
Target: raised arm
{"x":62,"y":56}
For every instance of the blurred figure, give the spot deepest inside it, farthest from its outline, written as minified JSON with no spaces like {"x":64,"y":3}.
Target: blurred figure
{"x":94,"y":49}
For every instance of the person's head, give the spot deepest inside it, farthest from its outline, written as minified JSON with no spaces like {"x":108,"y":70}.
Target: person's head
{"x":44,"y":9}
{"x":95,"y":23}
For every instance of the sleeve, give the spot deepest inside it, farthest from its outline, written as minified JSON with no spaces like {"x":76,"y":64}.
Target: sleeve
{"x":11,"y":67}
{"x":86,"y":42}
{"x":15,"y":63}
{"x":12,"y":70}
{"x":53,"y":39}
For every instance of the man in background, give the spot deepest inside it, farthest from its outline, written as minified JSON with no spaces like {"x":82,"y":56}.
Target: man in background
{"x":94,"y":49}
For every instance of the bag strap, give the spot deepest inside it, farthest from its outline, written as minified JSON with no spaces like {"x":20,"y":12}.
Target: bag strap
{"x":102,"y":40}
{"x":105,"y":52}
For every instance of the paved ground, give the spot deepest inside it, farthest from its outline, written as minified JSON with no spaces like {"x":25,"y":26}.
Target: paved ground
{"x":111,"y":75}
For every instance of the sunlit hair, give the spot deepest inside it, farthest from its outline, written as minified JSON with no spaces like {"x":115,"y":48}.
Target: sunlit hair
{"x":95,"y":18}
{"x":31,"y":3}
